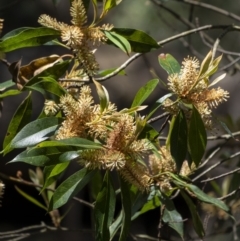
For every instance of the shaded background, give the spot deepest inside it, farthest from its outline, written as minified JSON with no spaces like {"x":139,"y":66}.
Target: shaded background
{"x":16,"y":212}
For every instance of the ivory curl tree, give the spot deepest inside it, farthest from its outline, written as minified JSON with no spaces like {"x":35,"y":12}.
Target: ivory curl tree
{"x":101,"y":138}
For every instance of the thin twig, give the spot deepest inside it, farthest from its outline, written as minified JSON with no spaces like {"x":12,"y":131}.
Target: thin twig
{"x":213,"y":8}
{"x":215,"y":165}
{"x":222,"y":175}
{"x":154,"y":119}
{"x":225,"y":136}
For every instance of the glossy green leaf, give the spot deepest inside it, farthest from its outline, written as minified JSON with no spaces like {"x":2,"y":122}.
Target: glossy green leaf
{"x":73,"y":141}
{"x":149,"y":133}
{"x":48,"y":86}
{"x":158,"y":104}
{"x":96,"y":184}
{"x":206,"y":198}
{"x":35,"y":132}
{"x":197,"y":137}
{"x":197,"y":223}
{"x":28,"y":37}
{"x":9,"y":93}
{"x":30,"y":198}
{"x":22,"y":116}
{"x":53,"y":72}
{"x":6,"y":84}
{"x":144,"y":92}
{"x":119,"y":41}
{"x":169,"y":63}
{"x":140,"y":41}
{"x":170,"y":215}
{"x":51,"y":173}
{"x":45,"y":156}
{"x":70,"y":187}
{"x":151,"y":204}
{"x":104,"y":209}
{"x":178,"y":139}
{"x":126,"y":207}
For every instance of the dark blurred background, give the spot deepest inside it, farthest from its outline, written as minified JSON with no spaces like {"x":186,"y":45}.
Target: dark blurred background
{"x":16,"y":212}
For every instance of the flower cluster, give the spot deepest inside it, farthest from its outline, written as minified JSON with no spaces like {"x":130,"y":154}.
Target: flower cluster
{"x":191,"y":86}
{"x":117,"y":132}
{"x":161,"y":167}
{"x":78,"y":37}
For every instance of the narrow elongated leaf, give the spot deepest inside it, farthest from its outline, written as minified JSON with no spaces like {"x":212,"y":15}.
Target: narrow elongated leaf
{"x":126,"y":207}
{"x":178,"y":139}
{"x":206,"y":198}
{"x":9,"y":93}
{"x":197,"y":223}
{"x":74,"y":141}
{"x":28,"y":37}
{"x":51,"y":173}
{"x":70,"y":187}
{"x":109,"y":4}
{"x":30,"y":198}
{"x":35,"y":132}
{"x":169,"y":63}
{"x":45,"y":156}
{"x":158,"y":104}
{"x":140,"y":41}
{"x":104,"y":209}
{"x":144,"y":92}
{"x":170,"y":215}
{"x":118,"y":41}
{"x":150,"y":205}
{"x":109,"y":71}
{"x":197,"y":137}
{"x":6,"y":84}
{"x":103,"y":95}
{"x":20,"y":118}
{"x":46,"y":87}
{"x":116,"y":225}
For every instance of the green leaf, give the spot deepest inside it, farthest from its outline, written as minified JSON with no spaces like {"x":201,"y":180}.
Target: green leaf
{"x":170,"y":215}
{"x":73,"y":141}
{"x":109,"y":4}
{"x":70,"y":187}
{"x":126,"y":207}
{"x":119,"y":41}
{"x":51,"y":173}
{"x":169,"y":63}
{"x":140,"y":41}
{"x":20,"y":118}
{"x":53,"y":72}
{"x":178,"y":139}
{"x":9,"y":93}
{"x":48,"y":85}
{"x":35,"y":132}
{"x":151,"y":204}
{"x":144,"y":92}
{"x":158,"y":104}
{"x":197,"y":137}
{"x":6,"y":84}
{"x":149,"y":133}
{"x":30,"y":198}
{"x":104,"y":209}
{"x":197,"y":223}
{"x":103,"y":95}
{"x":116,"y":225}
{"x":206,"y":198}
{"x":28,"y":37}
{"x":45,"y":156}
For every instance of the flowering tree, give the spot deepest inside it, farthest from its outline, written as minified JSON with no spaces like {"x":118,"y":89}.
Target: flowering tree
{"x":152,"y":169}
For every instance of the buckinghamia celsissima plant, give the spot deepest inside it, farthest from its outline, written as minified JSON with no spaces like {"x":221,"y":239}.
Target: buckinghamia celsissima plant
{"x":153,"y":167}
